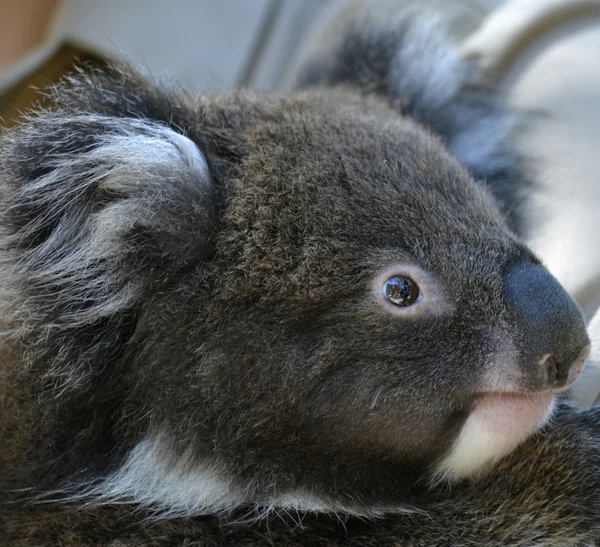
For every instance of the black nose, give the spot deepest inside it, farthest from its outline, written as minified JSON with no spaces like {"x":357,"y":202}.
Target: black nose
{"x":551,"y":335}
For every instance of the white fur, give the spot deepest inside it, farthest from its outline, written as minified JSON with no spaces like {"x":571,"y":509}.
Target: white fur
{"x":478,"y":448}
{"x":134,"y":162}
{"x":134,"y":157}
{"x":304,"y":501}
{"x":142,"y":148}
{"x":172,"y":486}
{"x":479,"y":444}
{"x":301,"y":501}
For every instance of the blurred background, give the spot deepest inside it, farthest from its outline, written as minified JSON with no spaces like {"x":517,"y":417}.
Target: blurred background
{"x":204,"y":44}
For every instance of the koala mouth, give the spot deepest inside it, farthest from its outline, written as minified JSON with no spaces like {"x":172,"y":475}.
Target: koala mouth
{"x":498,"y":423}
{"x":510,"y":415}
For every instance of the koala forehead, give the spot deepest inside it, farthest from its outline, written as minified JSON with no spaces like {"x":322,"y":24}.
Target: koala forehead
{"x":322,"y":181}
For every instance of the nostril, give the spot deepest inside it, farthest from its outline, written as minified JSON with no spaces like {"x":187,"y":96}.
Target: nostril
{"x":550,"y":365}
{"x":560,"y":374}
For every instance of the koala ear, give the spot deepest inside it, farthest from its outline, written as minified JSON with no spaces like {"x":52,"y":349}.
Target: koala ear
{"x":96,"y":212}
{"x":409,"y":60}
{"x":115,"y":198}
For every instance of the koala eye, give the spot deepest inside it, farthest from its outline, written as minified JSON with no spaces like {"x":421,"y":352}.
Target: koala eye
{"x":405,"y":290}
{"x":400,"y":291}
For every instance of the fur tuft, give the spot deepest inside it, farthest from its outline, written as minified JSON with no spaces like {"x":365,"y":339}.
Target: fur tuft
{"x":80,"y":207}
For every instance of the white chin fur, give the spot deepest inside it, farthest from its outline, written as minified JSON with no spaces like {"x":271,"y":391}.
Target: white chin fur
{"x":498,"y":424}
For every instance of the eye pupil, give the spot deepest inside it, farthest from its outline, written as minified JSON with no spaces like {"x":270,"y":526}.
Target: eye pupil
{"x":400,"y":291}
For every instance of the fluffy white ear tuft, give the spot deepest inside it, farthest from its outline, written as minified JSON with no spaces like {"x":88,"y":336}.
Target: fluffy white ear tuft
{"x":130,"y":149}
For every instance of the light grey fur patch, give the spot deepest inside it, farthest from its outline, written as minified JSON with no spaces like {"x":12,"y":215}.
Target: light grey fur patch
{"x":170,"y":486}
{"x":305,"y":501}
{"x":426,"y":66}
{"x":479,"y":146}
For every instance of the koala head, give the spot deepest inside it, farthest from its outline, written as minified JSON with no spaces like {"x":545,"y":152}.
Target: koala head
{"x":301,"y":301}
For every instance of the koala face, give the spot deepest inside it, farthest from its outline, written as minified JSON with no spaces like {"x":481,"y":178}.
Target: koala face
{"x":300,"y":302}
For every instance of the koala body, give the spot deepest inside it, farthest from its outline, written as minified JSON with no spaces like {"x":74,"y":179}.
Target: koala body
{"x":233,"y":306}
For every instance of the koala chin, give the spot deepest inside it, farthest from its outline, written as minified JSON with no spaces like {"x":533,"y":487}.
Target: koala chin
{"x":313,"y":301}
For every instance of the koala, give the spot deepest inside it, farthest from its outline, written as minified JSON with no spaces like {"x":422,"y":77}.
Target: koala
{"x":306,"y":318}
